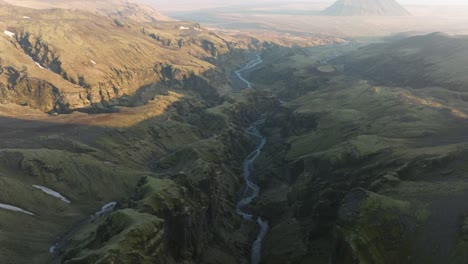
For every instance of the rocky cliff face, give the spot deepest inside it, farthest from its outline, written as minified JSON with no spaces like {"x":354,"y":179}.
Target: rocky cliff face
{"x":88,"y":61}
{"x":17,"y":87}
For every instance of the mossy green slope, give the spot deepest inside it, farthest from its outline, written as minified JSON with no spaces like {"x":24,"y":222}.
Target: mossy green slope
{"x":339,"y":131}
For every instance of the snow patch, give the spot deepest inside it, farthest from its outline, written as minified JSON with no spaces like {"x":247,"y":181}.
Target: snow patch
{"x":14,"y":209}
{"x":50,"y":191}
{"x":183,"y":28}
{"x":93,"y":62}
{"x":9,"y":33}
{"x":52,"y":249}
{"x":26,"y":17}
{"x":197,"y":29}
{"x":39,"y":65}
{"x":107,"y":208}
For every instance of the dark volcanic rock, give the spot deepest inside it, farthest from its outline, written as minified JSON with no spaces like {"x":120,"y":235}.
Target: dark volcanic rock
{"x":352,"y":204}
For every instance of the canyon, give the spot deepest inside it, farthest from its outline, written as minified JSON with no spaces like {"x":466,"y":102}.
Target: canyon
{"x":130,"y":137}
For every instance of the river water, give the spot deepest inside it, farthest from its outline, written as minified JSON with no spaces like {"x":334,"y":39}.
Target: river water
{"x":250,"y":65}
{"x":252,"y":190}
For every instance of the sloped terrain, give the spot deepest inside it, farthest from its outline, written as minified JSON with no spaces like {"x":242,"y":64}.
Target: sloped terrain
{"x":174,"y":173}
{"x":429,"y":60}
{"x":370,"y":171}
{"x":85,"y":60}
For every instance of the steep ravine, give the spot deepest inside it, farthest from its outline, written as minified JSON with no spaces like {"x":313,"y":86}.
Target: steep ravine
{"x":252,"y":190}
{"x":189,"y":197}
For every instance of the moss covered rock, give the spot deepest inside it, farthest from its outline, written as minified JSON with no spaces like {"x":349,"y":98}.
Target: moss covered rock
{"x":373,"y":228}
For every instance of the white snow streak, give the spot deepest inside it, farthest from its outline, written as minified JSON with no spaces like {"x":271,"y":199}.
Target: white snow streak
{"x":14,"y":209}
{"x":52,"y":193}
{"x":9,"y":33}
{"x":107,"y":208}
{"x":39,"y":65}
{"x":52,"y":249}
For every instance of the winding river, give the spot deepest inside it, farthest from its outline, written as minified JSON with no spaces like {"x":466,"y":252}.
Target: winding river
{"x":250,"y":65}
{"x":252,"y":190}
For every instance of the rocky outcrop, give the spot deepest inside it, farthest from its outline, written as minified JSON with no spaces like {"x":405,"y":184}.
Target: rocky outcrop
{"x":139,"y":236}
{"x":374,"y":229}
{"x":121,"y":87}
{"x":42,"y":53}
{"x":17,"y":87}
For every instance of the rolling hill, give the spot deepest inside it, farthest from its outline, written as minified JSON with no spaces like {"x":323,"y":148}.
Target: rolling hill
{"x":421,"y":61}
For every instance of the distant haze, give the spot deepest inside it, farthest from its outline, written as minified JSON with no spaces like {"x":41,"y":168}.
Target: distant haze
{"x":197,"y":3}
{"x":434,"y":2}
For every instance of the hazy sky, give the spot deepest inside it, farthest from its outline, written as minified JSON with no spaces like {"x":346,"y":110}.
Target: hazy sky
{"x":435,"y":2}
{"x":405,"y":2}
{"x":229,"y":2}
{"x":168,"y":6}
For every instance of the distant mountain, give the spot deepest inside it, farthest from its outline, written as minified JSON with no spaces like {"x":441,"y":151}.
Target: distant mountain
{"x":125,"y":9}
{"x":366,"y":8}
